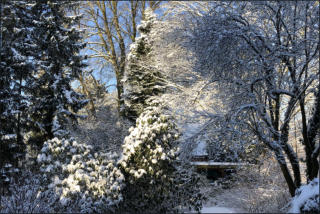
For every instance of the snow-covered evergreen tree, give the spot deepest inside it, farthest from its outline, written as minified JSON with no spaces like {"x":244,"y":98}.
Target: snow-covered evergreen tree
{"x":156,"y":182}
{"x":59,"y":44}
{"x":16,"y":68}
{"x":141,"y":79}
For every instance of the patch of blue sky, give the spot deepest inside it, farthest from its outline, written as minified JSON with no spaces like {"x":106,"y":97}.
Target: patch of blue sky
{"x":102,"y":70}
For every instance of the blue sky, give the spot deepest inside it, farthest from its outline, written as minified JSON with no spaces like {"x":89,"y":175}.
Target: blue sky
{"x":101,"y":69}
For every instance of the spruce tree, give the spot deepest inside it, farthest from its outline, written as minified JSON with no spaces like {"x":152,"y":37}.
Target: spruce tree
{"x":59,"y":42}
{"x":16,"y":68}
{"x":141,"y":79}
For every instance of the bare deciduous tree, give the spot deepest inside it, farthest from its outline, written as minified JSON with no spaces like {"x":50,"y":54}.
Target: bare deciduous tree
{"x":112,"y":26}
{"x":265,"y":56}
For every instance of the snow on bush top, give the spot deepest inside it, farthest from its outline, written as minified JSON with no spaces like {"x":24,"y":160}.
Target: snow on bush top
{"x":156,"y":180}
{"x":148,"y":144}
{"x":307,"y":198}
{"x":76,"y":173}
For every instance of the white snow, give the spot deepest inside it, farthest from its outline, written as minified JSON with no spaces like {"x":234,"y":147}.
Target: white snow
{"x":7,"y":165}
{"x":216,"y":209}
{"x":213,"y":163}
{"x":68,"y":96}
{"x":307,"y":192}
{"x":201,"y":149}
{"x":8,"y":136}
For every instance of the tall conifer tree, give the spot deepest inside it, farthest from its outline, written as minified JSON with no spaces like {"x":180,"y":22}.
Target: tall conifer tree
{"x":59,"y":44}
{"x":141,"y":79}
{"x":16,"y":68}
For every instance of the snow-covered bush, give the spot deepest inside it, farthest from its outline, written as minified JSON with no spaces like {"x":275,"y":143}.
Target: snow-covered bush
{"x":26,"y":196}
{"x":149,"y":162}
{"x":306,"y":199}
{"x":84,"y":180}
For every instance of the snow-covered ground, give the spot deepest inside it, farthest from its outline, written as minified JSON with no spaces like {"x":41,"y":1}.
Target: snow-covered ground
{"x":303,"y":196}
{"x":220,"y":210}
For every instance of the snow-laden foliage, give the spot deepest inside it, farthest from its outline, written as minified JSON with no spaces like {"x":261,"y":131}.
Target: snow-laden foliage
{"x":86,"y":181}
{"x":267,"y":72}
{"x":150,"y":142}
{"x":192,"y":98}
{"x":27,"y":196}
{"x":54,"y":101}
{"x":141,"y":79}
{"x":156,"y":182}
{"x":307,"y":198}
{"x":16,"y":68}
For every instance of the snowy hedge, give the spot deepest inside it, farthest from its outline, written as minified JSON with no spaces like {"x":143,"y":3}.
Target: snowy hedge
{"x":149,"y":162}
{"x":307,"y":198}
{"x":86,"y":180}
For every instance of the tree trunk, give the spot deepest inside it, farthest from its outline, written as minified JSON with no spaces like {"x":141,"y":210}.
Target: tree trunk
{"x":120,"y":93}
{"x":121,"y":64}
{"x":312,"y":132}
{"x":293,"y":160}
{"x":278,"y":151}
{"x":285,"y":145}
{"x":286,"y":173}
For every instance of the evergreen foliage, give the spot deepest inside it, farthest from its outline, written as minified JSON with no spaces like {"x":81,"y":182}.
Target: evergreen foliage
{"x":141,"y":79}
{"x":152,"y":170}
{"x":85,"y":181}
{"x":53,"y":99}
{"x":230,"y":78}
{"x":16,"y":69}
{"x":39,"y":58}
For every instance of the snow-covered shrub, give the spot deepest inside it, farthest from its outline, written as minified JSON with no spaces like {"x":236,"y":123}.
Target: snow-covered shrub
{"x":86,"y":181}
{"x":306,"y":199}
{"x":156,"y":182}
{"x":26,"y":196}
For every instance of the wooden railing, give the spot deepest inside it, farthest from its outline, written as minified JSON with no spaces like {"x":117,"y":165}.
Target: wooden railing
{"x":217,"y":165}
